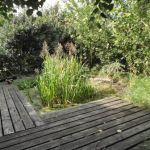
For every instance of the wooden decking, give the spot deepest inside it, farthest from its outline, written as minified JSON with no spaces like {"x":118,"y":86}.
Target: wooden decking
{"x":16,"y":114}
{"x":108,"y":124}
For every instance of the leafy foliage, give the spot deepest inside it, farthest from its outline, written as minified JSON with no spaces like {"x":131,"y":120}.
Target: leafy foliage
{"x":131,"y":34}
{"x":102,"y":7}
{"x":8,"y":6}
{"x":92,"y":40}
{"x":22,"y":39}
{"x":122,"y":38}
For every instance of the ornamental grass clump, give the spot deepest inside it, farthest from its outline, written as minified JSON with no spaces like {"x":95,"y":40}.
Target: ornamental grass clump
{"x":63,"y":81}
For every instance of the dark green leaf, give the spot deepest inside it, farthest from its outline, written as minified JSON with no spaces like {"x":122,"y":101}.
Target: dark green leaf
{"x":108,"y":1}
{"x":14,"y":10}
{"x":103,"y":5}
{"x":96,"y":10}
{"x":92,"y":18}
{"x":96,"y":2}
{"x":111,"y":6}
{"x":106,"y":6}
{"x":103,"y":15}
{"x":29,"y":12}
{"x":98,"y":25}
{"x":10,"y":15}
{"x":39,"y":13}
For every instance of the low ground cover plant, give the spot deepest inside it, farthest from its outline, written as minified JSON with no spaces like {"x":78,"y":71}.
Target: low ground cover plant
{"x":24,"y":84}
{"x":138,"y":90}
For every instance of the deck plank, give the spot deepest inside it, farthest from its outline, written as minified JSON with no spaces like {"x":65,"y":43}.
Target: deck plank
{"x":77,"y":110}
{"x":87,"y":111}
{"x":33,"y":114}
{"x":132,"y":141}
{"x":17,"y":121}
{"x":33,"y":141}
{"x":1,"y":132}
{"x":93,"y":112}
{"x":23,"y":113}
{"x":142,"y":146}
{"x":7,"y":125}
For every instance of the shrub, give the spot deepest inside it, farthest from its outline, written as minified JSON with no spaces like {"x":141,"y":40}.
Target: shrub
{"x":113,"y":69}
{"x":123,"y":38}
{"x":139,"y":90}
{"x":63,"y":81}
{"x":22,"y":37}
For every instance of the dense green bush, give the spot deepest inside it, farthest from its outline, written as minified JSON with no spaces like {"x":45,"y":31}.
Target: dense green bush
{"x":123,"y":37}
{"x":63,"y":81}
{"x":22,"y":39}
{"x":26,"y":41}
{"x":6,"y":67}
{"x":131,"y":37}
{"x":27,"y":44}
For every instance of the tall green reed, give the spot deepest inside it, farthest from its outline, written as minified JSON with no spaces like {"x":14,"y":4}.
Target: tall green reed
{"x":63,"y":81}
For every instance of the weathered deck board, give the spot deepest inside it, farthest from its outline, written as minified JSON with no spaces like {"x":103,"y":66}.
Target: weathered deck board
{"x":14,"y":115}
{"x":1,"y":132}
{"x":32,"y":113}
{"x":81,"y":109}
{"x":110,"y":124}
{"x":7,"y":125}
{"x":18,"y":124}
{"x":23,"y":113}
{"x":127,"y":143}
